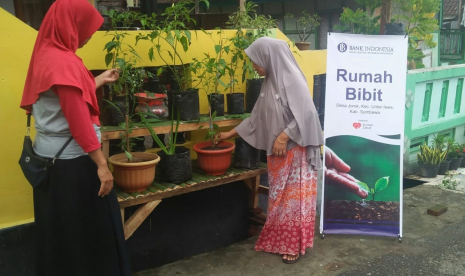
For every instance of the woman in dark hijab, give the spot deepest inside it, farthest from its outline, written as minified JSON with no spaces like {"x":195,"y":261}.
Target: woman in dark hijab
{"x":77,"y":219}
{"x":284,"y":122}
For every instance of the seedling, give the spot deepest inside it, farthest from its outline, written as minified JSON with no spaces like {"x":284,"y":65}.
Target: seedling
{"x":380,"y":185}
{"x":449,"y":182}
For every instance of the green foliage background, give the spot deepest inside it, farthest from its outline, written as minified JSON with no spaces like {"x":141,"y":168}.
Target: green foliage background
{"x":369,"y":161}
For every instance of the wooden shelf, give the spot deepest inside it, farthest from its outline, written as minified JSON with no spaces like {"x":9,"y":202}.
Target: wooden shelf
{"x":164,"y":127}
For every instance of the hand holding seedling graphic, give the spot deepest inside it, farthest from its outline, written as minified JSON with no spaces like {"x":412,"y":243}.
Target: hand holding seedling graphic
{"x":336,"y":174}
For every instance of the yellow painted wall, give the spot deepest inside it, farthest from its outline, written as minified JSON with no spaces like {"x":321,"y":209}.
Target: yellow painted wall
{"x":16,"y":44}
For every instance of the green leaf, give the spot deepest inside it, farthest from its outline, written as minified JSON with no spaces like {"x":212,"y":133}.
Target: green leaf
{"x":159,"y":71}
{"x":217,"y":49}
{"x":151,"y":54}
{"x":178,"y":34}
{"x":372,"y":191}
{"x":214,"y":115}
{"x":200,"y":127}
{"x":363,"y":186}
{"x":109,"y":46}
{"x":216,"y":127}
{"x":128,"y":155}
{"x":108,"y":58}
{"x":188,"y":35}
{"x":222,"y":83}
{"x":184,"y":43}
{"x":382,"y":183}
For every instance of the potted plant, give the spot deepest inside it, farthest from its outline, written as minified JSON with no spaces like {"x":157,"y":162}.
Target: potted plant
{"x":214,"y":159}
{"x":208,"y":72}
{"x":133,"y":171}
{"x":462,"y":164}
{"x":429,"y":159}
{"x":249,"y":27}
{"x":439,"y":142}
{"x":170,"y":37}
{"x":175,"y":165}
{"x":304,"y":24}
{"x":454,"y":154}
{"x":420,"y":24}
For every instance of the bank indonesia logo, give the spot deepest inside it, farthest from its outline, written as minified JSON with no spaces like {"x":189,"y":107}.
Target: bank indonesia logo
{"x":342,"y":47}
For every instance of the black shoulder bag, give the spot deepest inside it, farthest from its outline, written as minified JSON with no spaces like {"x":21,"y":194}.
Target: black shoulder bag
{"x":36,"y":169}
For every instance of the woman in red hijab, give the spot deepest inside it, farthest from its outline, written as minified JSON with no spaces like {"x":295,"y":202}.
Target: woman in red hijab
{"x":77,"y":219}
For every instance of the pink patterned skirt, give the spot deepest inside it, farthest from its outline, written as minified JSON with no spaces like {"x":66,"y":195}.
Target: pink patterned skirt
{"x":290,"y":222}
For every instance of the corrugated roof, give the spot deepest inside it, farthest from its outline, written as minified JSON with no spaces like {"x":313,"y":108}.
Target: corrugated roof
{"x":450,"y":8}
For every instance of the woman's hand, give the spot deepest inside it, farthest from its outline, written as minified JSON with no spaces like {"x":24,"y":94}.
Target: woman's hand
{"x":106,"y":180}
{"x":103,"y":172}
{"x":220,"y":136}
{"x":280,"y":144}
{"x":108,"y":76}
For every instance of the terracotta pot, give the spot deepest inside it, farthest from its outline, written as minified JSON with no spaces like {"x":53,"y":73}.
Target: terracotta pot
{"x":214,"y":162}
{"x":303,"y":46}
{"x":137,"y":176}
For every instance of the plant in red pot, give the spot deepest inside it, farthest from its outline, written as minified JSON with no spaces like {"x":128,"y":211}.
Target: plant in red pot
{"x":214,"y":159}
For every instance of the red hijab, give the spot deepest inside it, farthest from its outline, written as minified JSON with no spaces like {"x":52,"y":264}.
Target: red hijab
{"x":67,"y":24}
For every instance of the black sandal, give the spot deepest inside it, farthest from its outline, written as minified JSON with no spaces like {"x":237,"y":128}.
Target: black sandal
{"x":291,"y":261}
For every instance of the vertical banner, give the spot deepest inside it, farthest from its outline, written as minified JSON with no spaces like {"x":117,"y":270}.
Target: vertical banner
{"x":364,"y":134}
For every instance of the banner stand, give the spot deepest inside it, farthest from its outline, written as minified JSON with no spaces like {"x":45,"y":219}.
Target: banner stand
{"x":364,"y":134}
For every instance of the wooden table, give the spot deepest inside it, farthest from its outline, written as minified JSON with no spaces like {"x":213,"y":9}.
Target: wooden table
{"x":155,"y":193}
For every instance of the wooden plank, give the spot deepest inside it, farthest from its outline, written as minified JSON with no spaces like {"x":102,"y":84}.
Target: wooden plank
{"x":122,"y":214}
{"x":164,"y":129}
{"x":263,"y":190}
{"x":253,"y":183}
{"x":192,"y":188}
{"x":138,"y":217}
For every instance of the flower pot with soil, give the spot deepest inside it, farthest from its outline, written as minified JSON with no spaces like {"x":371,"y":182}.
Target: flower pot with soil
{"x":235,"y":103}
{"x":214,"y":160}
{"x":187,"y":102}
{"x":304,"y":25}
{"x":217,"y":103}
{"x":245,"y":156}
{"x":134,"y":175}
{"x":455,"y":155}
{"x":429,"y":159}
{"x":252,"y":93}
{"x":444,"y":167}
{"x":302,"y":45}
{"x":175,"y":168}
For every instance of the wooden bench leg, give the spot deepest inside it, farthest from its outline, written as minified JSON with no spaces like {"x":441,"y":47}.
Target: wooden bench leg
{"x":122,"y":214}
{"x":138,"y":217}
{"x":253,"y":183}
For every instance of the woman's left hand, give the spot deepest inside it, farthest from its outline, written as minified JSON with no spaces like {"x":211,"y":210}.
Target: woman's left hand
{"x":108,"y":76}
{"x":279,"y":149}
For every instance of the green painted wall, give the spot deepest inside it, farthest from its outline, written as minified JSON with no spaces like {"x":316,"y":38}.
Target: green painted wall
{"x":421,"y":124}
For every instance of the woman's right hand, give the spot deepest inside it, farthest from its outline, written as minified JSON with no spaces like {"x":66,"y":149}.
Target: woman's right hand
{"x":103,"y":172}
{"x":220,"y":136}
{"x":106,"y":180}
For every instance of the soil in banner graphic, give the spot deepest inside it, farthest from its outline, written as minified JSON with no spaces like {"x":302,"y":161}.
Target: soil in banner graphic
{"x":375,"y":167}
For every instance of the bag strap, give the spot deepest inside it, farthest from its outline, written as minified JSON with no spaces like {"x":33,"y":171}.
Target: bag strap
{"x":62,"y":148}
